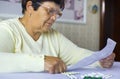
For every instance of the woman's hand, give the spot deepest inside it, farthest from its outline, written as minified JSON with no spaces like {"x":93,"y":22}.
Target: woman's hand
{"x":54,"y":65}
{"x":108,"y":62}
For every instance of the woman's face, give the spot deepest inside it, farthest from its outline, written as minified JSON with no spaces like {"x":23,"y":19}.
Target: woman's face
{"x":42,"y":19}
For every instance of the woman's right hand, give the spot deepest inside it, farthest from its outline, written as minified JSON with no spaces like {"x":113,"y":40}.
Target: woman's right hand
{"x":54,"y":65}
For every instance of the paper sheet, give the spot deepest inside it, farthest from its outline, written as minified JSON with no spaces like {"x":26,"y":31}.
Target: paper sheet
{"x":96,"y":56}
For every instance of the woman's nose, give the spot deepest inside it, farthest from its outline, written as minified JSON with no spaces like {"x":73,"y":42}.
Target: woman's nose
{"x":54,"y":17}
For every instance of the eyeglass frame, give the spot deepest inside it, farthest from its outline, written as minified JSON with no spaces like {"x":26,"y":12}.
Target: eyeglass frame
{"x":51,"y":11}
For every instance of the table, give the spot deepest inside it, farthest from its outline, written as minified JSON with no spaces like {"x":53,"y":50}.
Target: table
{"x":114,"y":71}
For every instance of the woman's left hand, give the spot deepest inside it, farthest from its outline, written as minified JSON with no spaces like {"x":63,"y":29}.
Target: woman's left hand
{"x":108,"y":62}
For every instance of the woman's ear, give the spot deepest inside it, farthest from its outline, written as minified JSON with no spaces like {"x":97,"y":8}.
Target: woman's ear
{"x":29,"y":7}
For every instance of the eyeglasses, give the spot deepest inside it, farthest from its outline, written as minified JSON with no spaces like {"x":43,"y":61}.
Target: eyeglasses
{"x":51,"y":11}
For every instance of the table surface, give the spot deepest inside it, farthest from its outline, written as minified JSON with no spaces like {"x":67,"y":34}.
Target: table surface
{"x":114,"y":71}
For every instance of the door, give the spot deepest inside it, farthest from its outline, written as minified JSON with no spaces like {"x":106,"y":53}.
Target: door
{"x":110,"y":24}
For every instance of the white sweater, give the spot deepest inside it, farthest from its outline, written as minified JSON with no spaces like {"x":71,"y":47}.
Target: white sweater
{"x":20,"y":53}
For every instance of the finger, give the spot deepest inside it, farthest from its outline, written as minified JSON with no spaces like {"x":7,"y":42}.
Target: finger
{"x":112,"y":56}
{"x":107,"y":65}
{"x":52,"y":70}
{"x":59,"y":68}
{"x":107,"y":62}
{"x":64,"y":67}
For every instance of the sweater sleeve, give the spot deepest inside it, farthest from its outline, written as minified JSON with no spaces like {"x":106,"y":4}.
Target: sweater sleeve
{"x":71,"y":53}
{"x":15,"y":62}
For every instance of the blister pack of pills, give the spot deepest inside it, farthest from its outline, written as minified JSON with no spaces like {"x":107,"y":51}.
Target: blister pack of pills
{"x":93,"y":75}
{"x":96,"y":75}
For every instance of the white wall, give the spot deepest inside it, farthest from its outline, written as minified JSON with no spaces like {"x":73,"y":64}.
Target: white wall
{"x":0,"y":19}
{"x":84,"y":35}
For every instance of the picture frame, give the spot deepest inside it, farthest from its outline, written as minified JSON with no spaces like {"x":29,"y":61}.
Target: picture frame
{"x":74,"y":12}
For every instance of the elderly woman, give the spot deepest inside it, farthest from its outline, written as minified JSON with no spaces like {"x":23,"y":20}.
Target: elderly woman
{"x":29,"y":44}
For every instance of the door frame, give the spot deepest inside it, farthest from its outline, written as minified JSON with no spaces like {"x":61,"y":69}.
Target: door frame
{"x":102,"y":15}
{"x":106,"y":23}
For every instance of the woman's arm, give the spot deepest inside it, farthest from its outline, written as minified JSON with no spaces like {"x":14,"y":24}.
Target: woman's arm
{"x":71,"y":53}
{"x":10,"y":61}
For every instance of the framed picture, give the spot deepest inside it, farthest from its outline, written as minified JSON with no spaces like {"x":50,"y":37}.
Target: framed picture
{"x":74,"y":12}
